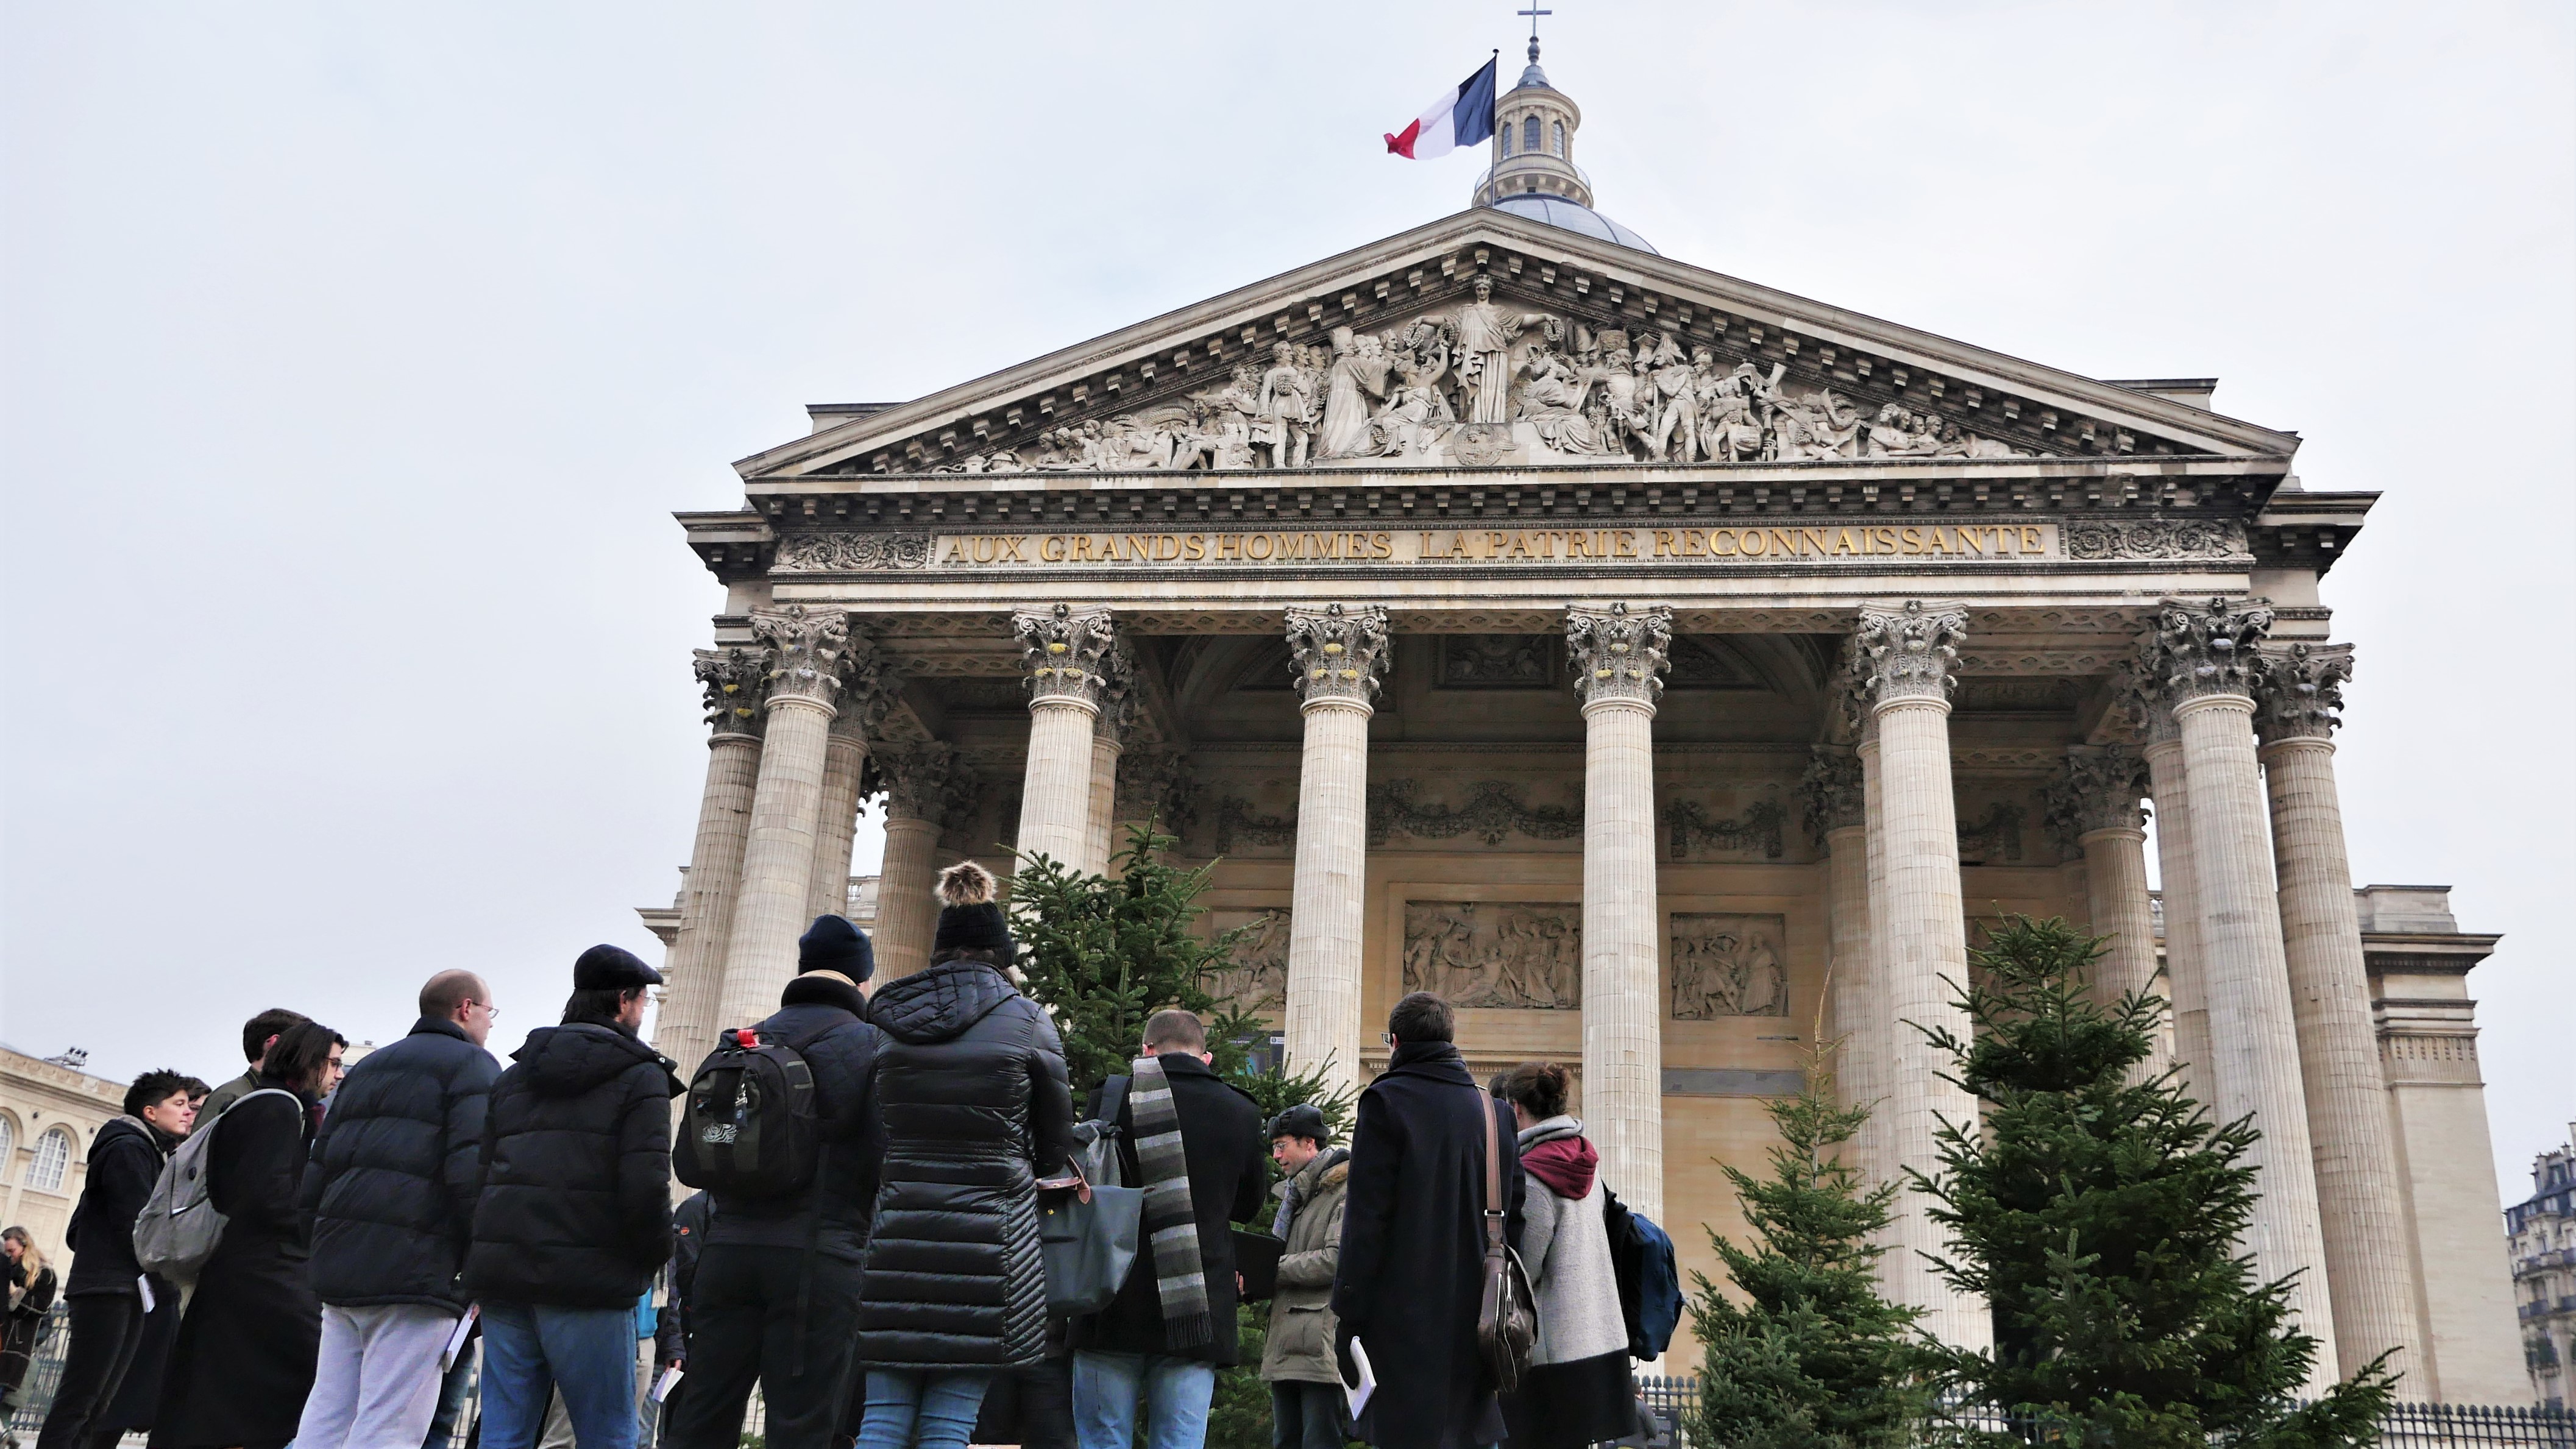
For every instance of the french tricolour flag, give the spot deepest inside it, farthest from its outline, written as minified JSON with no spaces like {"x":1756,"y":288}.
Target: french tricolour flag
{"x":1463,"y":116}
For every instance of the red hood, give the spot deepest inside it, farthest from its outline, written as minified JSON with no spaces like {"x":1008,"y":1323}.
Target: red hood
{"x":1566,"y":1165}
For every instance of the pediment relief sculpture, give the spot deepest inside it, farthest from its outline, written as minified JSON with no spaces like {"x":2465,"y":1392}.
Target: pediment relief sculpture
{"x":1496,"y":954}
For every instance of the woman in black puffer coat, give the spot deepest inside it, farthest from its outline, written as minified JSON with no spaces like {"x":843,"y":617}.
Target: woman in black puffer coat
{"x":970,"y":1089}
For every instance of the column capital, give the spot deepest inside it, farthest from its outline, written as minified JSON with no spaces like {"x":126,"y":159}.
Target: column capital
{"x":1339,"y":652}
{"x":915,"y":778}
{"x":2097,"y":789}
{"x":736,"y":680}
{"x":1066,"y":651}
{"x":1619,"y":654}
{"x":1903,"y":653}
{"x":1832,"y":790}
{"x":1159,"y":783}
{"x":806,"y":650}
{"x":2200,"y":650}
{"x":870,"y":689}
{"x":2300,"y":691}
{"x":1118,"y":701}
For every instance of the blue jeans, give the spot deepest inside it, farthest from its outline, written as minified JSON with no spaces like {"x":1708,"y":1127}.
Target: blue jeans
{"x":532,"y":1350}
{"x":909,"y":1408}
{"x":1176,"y":1393}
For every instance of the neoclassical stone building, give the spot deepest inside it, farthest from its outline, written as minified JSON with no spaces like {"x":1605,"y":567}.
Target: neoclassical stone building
{"x":1672,"y":672}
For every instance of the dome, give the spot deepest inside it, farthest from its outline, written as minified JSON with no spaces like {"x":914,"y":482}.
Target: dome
{"x":1558,"y":211}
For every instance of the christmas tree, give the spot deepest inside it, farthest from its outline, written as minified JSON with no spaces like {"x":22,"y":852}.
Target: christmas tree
{"x":2102,"y":1215}
{"x":1812,"y":1357}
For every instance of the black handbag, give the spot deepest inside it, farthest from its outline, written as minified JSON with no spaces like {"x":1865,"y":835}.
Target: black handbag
{"x":1507,"y":1316}
{"x":1087,"y":1237}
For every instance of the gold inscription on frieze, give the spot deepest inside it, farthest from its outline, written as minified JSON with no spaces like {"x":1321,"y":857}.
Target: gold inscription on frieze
{"x":1756,"y":543}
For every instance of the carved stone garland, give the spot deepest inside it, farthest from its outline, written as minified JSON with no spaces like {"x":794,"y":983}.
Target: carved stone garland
{"x":736,"y":681}
{"x":1339,"y":653}
{"x":806,"y":650}
{"x":1758,"y":828}
{"x":1618,"y":654}
{"x":1493,"y":811}
{"x":1066,"y":652}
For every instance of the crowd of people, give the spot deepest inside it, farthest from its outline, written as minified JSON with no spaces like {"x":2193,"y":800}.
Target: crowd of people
{"x":865,"y":1251}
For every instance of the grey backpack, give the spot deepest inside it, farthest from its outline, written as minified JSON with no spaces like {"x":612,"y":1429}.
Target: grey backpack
{"x":176,"y":1233}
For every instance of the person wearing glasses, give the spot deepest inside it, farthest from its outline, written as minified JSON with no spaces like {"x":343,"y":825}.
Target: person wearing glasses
{"x":392,"y":1192}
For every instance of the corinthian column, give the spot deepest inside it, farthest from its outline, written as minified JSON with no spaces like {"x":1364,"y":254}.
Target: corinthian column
{"x":1903,"y":661}
{"x":778,"y":860}
{"x":1066,"y":651}
{"x":1618,"y":657}
{"x":2093,"y":815}
{"x":2186,"y":976}
{"x":2358,"y":1182}
{"x":735,"y":681}
{"x":868,"y":691}
{"x":2202,"y":658}
{"x":1108,"y":743}
{"x":1873,"y":1145}
{"x":917,"y":782}
{"x":1339,"y":655}
{"x":1855,"y":1019}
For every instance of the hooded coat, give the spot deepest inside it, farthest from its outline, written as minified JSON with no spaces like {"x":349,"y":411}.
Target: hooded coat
{"x":243,"y":1361}
{"x":124,"y":1162}
{"x":394,"y":1172}
{"x":1299,"y":1348}
{"x":1413,"y":1247}
{"x":1578,"y":1390}
{"x":574,"y":1209}
{"x":971,"y":1098}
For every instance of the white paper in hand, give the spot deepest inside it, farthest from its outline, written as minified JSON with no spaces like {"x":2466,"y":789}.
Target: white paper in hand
{"x":143,"y":1285}
{"x":456,"y":1340}
{"x":669,"y":1380}
{"x":1360,"y":1393}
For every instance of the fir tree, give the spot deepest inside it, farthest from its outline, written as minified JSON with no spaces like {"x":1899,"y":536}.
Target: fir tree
{"x":1813,"y":1358}
{"x":2101,"y":1214}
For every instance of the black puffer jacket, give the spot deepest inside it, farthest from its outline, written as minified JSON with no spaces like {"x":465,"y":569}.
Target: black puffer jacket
{"x":124,"y":1161}
{"x":817,"y":1019}
{"x":575,"y":1207}
{"x":971,"y":1090}
{"x":391,"y":1188}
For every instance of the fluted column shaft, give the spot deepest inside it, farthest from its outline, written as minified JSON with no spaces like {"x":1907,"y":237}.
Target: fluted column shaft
{"x":1875,"y":1036}
{"x":2253,"y":1037}
{"x":907,"y":911}
{"x":2359,"y":1186}
{"x":685,"y":1023}
{"x":778,"y":860}
{"x":836,"y":824}
{"x":2186,"y":974}
{"x":1328,"y":899}
{"x":1101,"y":842}
{"x":1623,"y":1045}
{"x":2115,"y":894}
{"x":1847,"y":964}
{"x":1055,"y":794}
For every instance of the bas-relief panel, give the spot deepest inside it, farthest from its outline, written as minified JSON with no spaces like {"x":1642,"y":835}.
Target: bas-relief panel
{"x":1728,"y":965}
{"x":1257,"y":981}
{"x":1496,"y":953}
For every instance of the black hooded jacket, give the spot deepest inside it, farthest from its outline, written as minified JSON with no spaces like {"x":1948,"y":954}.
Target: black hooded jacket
{"x":971,"y":1095}
{"x":392,"y":1186}
{"x":575,"y":1205}
{"x":824,"y":1022}
{"x":124,"y":1161}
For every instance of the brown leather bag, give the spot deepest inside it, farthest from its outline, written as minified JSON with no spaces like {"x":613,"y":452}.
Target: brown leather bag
{"x":1507,"y":1319}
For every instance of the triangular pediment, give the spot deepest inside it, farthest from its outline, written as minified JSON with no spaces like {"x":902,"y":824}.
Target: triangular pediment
{"x":1383,"y":357}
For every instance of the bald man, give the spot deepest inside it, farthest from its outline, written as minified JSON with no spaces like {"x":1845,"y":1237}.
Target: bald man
{"x":391,"y":1191}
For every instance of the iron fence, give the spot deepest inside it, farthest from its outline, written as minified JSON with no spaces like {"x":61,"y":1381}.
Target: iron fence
{"x":2407,"y":1426}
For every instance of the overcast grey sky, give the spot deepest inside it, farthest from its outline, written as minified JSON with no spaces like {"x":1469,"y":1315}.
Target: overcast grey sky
{"x":355,"y":357}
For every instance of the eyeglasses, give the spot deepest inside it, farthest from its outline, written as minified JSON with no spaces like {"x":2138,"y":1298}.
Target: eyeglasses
{"x":490,"y":1012}
{"x":1387,"y":1037}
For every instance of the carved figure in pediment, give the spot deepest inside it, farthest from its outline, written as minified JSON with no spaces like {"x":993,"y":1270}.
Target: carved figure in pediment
{"x":1894,"y":433}
{"x":1627,"y":396}
{"x":1417,"y":411}
{"x":1553,"y":400}
{"x":1675,"y":398}
{"x":1731,"y":429}
{"x":1485,"y":336}
{"x":1819,"y":425}
{"x":1356,"y":377}
{"x":1284,"y":418}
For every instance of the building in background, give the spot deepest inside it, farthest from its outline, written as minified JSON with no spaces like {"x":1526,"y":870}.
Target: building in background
{"x":2542,"y":1228}
{"x":50,"y":1110}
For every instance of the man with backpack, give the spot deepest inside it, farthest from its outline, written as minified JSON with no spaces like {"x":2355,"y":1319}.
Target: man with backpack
{"x":391,"y":1195}
{"x":259,"y":1034}
{"x":776,"y":1129}
{"x":574,"y":1216}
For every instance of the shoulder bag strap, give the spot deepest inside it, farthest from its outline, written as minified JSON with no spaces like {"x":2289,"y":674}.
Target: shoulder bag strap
{"x":1493,"y":1176}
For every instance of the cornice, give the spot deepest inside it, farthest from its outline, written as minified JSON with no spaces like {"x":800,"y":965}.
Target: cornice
{"x":1871,"y":359}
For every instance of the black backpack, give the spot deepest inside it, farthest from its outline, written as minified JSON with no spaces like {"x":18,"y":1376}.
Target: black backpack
{"x":749,"y":1128}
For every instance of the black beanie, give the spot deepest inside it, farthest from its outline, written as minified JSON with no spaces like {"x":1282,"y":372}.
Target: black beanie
{"x":969,"y":920}
{"x":1303,"y":1120}
{"x":833,"y":944}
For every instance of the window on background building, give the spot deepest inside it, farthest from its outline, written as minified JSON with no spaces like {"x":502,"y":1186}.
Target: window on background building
{"x":52,"y":1159}
{"x":1529,"y":134}
{"x":1560,"y":138}
{"x":8,"y":1144}
{"x":1507,"y":138}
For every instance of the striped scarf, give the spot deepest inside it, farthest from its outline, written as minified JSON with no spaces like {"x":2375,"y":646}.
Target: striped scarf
{"x":1171,"y":1221}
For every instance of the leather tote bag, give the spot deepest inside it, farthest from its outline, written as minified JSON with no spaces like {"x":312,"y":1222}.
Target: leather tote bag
{"x":1507,"y":1316}
{"x":1087,"y":1236}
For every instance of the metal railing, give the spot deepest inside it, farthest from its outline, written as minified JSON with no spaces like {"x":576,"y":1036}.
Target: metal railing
{"x":2407,"y":1426}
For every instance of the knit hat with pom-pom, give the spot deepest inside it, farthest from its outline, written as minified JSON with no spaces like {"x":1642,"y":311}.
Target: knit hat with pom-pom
{"x":968,"y":918}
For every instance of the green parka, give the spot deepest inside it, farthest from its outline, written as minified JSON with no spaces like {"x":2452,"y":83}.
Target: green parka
{"x":1300,"y":1347}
